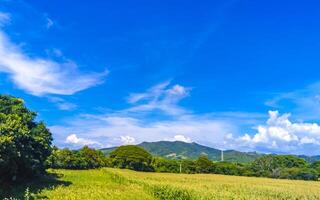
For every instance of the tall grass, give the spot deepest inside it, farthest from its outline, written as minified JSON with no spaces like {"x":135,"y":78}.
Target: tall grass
{"x":116,"y":184}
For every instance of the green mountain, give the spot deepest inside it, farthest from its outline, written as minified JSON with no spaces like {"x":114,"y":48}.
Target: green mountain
{"x":310,"y":159}
{"x":182,"y":150}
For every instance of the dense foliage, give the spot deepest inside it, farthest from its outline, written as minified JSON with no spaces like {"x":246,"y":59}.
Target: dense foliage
{"x":273,"y":166}
{"x":85,"y":158}
{"x":131,"y":157}
{"x":136,"y":158}
{"x":24,"y":143}
{"x":277,"y":166}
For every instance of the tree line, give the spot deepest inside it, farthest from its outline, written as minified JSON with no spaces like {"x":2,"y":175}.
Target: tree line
{"x":26,"y":151}
{"x":136,"y":158}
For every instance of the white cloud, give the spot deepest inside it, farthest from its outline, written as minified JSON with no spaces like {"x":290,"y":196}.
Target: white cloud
{"x":220,"y":130}
{"x":74,"y":139}
{"x":109,"y":128}
{"x":130,"y":126}
{"x":50,"y":23}
{"x":127,"y":140}
{"x":62,"y":104}
{"x":39,"y":76}
{"x":182,"y":138}
{"x":4,"y":18}
{"x":163,"y":97}
{"x":305,"y":102}
{"x":279,"y":134}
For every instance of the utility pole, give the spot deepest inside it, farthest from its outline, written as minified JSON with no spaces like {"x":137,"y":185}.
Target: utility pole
{"x":180,"y":167}
{"x":222,"y":156}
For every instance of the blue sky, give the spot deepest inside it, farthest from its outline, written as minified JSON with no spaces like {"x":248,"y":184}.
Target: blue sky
{"x":228,"y":74}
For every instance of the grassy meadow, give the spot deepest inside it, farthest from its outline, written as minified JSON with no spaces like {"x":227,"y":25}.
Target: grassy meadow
{"x":116,"y":184}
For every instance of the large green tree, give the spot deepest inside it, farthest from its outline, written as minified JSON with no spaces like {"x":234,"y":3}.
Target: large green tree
{"x":273,"y":165}
{"x":25,"y":143}
{"x":204,"y":165}
{"x":131,"y":157}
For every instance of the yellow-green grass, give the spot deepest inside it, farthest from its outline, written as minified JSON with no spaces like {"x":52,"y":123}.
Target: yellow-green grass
{"x":113,"y":184}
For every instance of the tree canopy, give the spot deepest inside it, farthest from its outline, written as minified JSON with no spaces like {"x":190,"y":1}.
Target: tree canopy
{"x":85,"y":158}
{"x":131,"y":157}
{"x":24,"y":143}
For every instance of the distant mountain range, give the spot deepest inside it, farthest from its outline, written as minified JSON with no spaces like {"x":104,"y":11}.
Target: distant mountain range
{"x":310,"y":159}
{"x":182,"y":150}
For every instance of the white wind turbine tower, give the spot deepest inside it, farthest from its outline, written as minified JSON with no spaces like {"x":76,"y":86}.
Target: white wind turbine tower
{"x":222,"y":159}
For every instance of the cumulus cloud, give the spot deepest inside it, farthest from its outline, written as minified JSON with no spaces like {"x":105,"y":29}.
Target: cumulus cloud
{"x":182,"y":138}
{"x":130,"y":126}
{"x":127,"y":140}
{"x":39,"y":76}
{"x":75,"y":140}
{"x":279,"y":134}
{"x":163,"y":97}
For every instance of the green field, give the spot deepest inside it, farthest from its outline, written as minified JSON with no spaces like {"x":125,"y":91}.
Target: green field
{"x":125,"y":184}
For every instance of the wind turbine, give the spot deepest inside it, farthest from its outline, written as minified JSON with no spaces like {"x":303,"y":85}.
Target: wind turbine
{"x":222,"y":159}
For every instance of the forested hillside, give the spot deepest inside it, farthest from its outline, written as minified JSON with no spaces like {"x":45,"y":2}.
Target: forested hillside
{"x":182,"y":150}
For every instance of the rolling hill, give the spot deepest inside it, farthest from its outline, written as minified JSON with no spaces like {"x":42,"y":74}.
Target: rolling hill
{"x":182,"y":150}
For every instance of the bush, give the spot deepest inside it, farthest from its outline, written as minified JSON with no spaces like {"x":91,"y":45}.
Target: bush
{"x":131,"y":157}
{"x":24,"y":143}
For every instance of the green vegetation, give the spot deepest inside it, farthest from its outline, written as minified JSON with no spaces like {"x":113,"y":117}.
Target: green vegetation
{"x":85,"y":158}
{"x":24,"y":143}
{"x":180,"y":150}
{"x":26,"y":152}
{"x":289,"y":167}
{"x":117,"y":184}
{"x":131,"y":157}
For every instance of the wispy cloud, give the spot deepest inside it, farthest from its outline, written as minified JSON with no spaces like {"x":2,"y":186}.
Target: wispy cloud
{"x":164,"y":97}
{"x":131,"y":125}
{"x":195,"y":128}
{"x":4,"y":18}
{"x":305,"y":103}
{"x":221,"y":130}
{"x":62,"y":104}
{"x":49,"y":23}
{"x":40,"y":76}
